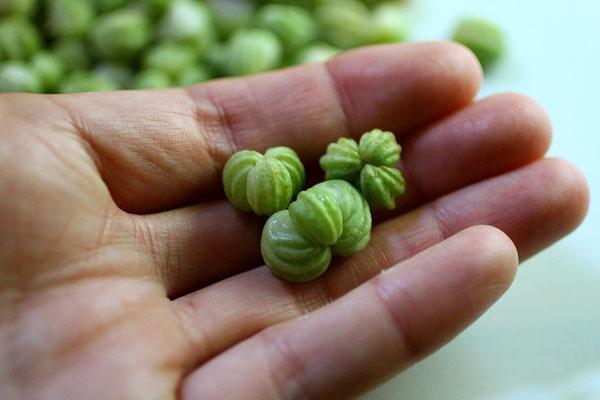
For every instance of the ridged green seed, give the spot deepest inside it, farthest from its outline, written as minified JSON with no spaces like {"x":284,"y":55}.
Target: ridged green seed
{"x":356,"y":216}
{"x":370,"y":164}
{"x":342,"y":160}
{"x":329,"y":218}
{"x":269,"y":187}
{"x":235,"y":177}
{"x":379,"y":148}
{"x":294,"y":166}
{"x":318,"y":216}
{"x":288,"y":254}
{"x":263,"y":184}
{"x":381,"y":186}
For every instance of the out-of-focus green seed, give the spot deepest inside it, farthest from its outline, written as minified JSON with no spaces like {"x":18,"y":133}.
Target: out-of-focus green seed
{"x":389,"y":24}
{"x":216,"y":59}
{"x":16,"y":76}
{"x":121,"y":34}
{"x":317,"y":53}
{"x":170,"y":57}
{"x":49,"y":68}
{"x":293,"y":26}
{"x":344,"y":23}
{"x":69,"y":17}
{"x":114,"y":72}
{"x":230,"y":15}
{"x":73,"y":53}
{"x":85,"y":81}
{"x":483,"y":38}
{"x":108,"y":5}
{"x":19,"y":39}
{"x":190,"y":22}
{"x":251,"y":51}
{"x":23,"y":7}
{"x":151,"y":79}
{"x":193,"y":75}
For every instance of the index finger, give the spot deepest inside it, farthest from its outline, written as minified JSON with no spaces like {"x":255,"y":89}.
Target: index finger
{"x":164,"y":149}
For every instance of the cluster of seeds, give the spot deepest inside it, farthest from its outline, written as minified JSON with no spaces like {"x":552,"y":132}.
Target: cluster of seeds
{"x":93,"y":45}
{"x":65,"y":46}
{"x":306,"y":228}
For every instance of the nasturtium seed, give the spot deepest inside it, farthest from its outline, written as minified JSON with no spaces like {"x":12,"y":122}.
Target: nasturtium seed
{"x":294,"y":26}
{"x":265,"y":183}
{"x":369,"y":164}
{"x":251,"y":51}
{"x":483,"y":38}
{"x":332,"y":217}
{"x":49,"y":68}
{"x":316,"y":53}
{"x":151,"y":79}
{"x":344,"y":23}
{"x":121,"y":34}
{"x":87,"y":81}
{"x":389,"y":23}
{"x":19,"y":39}
{"x":16,"y":76}
{"x":69,"y":18}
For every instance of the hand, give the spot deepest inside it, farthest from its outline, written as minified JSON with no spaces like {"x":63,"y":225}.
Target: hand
{"x":126,"y":275}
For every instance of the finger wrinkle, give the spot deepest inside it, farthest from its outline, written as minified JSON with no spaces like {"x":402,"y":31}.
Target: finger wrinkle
{"x":215,"y":126}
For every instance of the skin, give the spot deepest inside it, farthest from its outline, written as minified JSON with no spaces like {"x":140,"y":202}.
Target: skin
{"x":118,"y":278}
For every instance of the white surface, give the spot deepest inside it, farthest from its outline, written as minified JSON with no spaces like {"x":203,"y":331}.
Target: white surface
{"x":542,"y":340}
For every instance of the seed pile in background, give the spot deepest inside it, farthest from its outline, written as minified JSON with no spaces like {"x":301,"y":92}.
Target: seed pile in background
{"x":65,"y":46}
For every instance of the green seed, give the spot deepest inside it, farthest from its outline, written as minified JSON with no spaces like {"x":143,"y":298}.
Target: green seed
{"x":79,"y":82}
{"x":379,"y":148}
{"x":121,"y":34}
{"x":342,"y":160}
{"x":288,"y":254}
{"x":73,"y":53}
{"x":230,"y":15}
{"x":49,"y":68}
{"x":193,"y":75}
{"x":16,"y":76}
{"x":19,"y":39}
{"x":108,"y":5}
{"x":293,"y":26}
{"x":329,"y":218}
{"x":317,"y":53}
{"x":263,"y":184}
{"x":483,"y":38}
{"x":389,"y":24}
{"x":13,"y":7}
{"x":344,"y":23}
{"x":251,"y":51}
{"x":152,"y":79}
{"x":111,"y":71}
{"x":371,"y":165}
{"x":381,"y":186}
{"x":68,"y":18}
{"x":171,"y":57}
{"x":188,"y":22}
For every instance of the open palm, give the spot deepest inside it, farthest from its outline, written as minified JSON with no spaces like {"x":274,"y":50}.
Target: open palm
{"x":125,"y":274}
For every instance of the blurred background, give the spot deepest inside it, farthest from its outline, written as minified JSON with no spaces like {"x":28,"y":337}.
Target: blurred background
{"x":542,"y":340}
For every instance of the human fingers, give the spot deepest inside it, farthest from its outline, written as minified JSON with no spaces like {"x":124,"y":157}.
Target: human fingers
{"x":378,"y":329}
{"x":159,"y":150}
